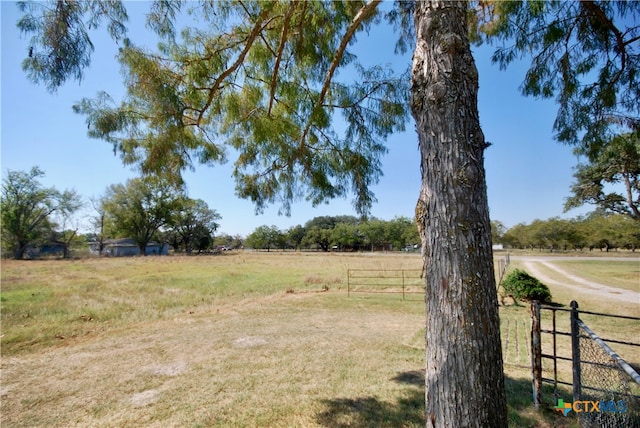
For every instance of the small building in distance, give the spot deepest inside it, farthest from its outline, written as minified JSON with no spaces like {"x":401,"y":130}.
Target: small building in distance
{"x":48,"y":249}
{"x":127,"y":247}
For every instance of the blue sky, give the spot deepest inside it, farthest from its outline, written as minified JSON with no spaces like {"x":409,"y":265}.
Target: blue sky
{"x":528,"y":173}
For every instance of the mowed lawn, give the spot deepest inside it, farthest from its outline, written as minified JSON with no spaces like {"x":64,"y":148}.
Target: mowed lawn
{"x":239,"y":339}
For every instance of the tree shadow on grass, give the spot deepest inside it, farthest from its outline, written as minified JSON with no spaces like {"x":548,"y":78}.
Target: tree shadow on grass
{"x":364,"y":412}
{"x":522,"y":413}
{"x":408,"y":409}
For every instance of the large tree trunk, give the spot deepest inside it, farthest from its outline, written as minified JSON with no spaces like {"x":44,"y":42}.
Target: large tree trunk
{"x":19,"y":250}
{"x":142,"y":247}
{"x":464,"y":376}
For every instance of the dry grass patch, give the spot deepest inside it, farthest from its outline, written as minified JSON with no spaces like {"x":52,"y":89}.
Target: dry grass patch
{"x":234,"y":340}
{"x":275,"y":361}
{"x":621,"y":274}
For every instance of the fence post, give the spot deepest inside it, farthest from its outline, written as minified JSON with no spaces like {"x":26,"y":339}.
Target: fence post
{"x":402,"y":284}
{"x":575,"y":351}
{"x":536,"y":354}
{"x":348,"y":282}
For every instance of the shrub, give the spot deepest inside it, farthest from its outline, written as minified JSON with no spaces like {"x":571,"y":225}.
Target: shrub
{"x":520,"y":285}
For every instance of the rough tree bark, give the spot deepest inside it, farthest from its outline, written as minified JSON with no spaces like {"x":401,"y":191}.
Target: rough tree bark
{"x":20,"y":250}
{"x":464,"y":376}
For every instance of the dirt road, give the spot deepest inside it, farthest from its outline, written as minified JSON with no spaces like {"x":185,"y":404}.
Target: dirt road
{"x":533,"y":263}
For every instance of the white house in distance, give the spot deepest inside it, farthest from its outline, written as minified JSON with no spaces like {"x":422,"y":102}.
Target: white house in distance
{"x":127,"y":247}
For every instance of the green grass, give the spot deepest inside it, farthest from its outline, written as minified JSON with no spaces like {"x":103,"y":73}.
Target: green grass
{"x":47,"y":300}
{"x":233,"y":340}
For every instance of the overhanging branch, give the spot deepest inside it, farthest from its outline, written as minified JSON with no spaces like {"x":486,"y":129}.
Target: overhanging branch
{"x":257,"y":28}
{"x":355,"y":24}
{"x":283,"y":41}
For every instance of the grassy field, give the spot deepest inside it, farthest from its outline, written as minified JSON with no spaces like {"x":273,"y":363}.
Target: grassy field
{"x":245,"y":339}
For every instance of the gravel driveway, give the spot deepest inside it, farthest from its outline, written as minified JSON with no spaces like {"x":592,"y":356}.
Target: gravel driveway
{"x":532,"y":264}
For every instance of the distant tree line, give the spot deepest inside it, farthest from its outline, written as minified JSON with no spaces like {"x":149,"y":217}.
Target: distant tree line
{"x":38,"y":219}
{"x":596,"y":231}
{"x":340,"y":233}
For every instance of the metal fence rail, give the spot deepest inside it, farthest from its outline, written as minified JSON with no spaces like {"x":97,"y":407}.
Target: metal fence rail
{"x":398,"y":281}
{"x":599,"y":375}
{"x":604,"y":377}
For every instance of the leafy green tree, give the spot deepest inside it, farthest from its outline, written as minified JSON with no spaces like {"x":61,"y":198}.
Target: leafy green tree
{"x":629,"y":233}
{"x":538,"y":235}
{"x":411,"y":236}
{"x":375,"y":233}
{"x":609,"y":231}
{"x":584,"y":53}
{"x":27,"y":209}
{"x":188,"y":99}
{"x":554,"y":233}
{"x":296,"y":235}
{"x":194,"y":224}
{"x":263,"y":78}
{"x":202,"y":238}
{"x":319,"y":237}
{"x":66,"y":226}
{"x":401,"y":231}
{"x":259,"y":238}
{"x":139,"y":208}
{"x":265,"y":238}
{"x":322,"y":222}
{"x":497,"y":231}
{"x":617,"y":162}
{"x":346,"y":236}
{"x":575,"y":236}
{"x":597,"y":230}
{"x":514,"y":236}
{"x":319,"y":230}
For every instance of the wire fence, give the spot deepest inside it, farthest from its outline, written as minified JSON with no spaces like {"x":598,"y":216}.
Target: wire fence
{"x":606,"y":389}
{"x":606,"y":379}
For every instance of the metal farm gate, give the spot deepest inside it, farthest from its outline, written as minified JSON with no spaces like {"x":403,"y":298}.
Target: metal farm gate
{"x":400,"y":281}
{"x":605,"y":388}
